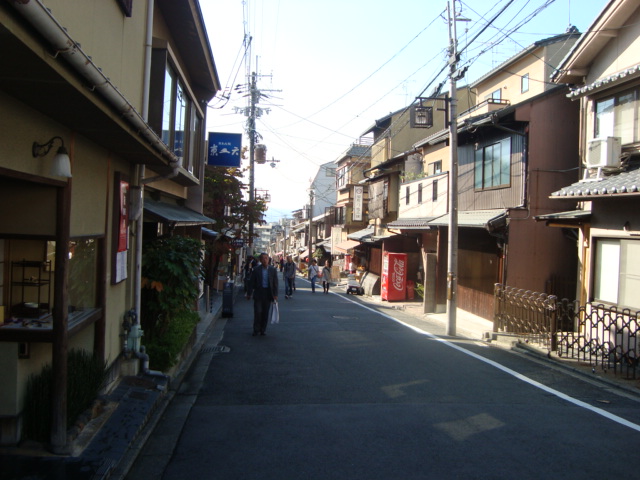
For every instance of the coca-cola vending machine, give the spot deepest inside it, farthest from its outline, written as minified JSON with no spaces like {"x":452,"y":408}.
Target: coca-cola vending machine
{"x":394,"y":276}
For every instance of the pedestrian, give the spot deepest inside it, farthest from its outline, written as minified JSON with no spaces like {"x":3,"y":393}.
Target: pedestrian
{"x":263,"y":285}
{"x":313,"y":274}
{"x":289,"y":274}
{"x":247,"y":268}
{"x":326,"y":276}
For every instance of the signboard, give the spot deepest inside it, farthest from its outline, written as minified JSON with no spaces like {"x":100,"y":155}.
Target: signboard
{"x":120,"y":228}
{"x":358,"y":194}
{"x":224,"y":149}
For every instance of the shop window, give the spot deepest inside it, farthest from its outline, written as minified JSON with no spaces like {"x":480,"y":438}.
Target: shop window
{"x":83,"y":268}
{"x":617,"y":116}
{"x":617,"y":272}
{"x":493,"y":165}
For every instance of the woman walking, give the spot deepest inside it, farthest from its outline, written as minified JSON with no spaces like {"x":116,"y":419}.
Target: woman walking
{"x":313,"y":274}
{"x":326,"y":276}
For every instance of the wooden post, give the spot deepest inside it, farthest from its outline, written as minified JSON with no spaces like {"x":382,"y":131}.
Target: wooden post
{"x":60,"y":323}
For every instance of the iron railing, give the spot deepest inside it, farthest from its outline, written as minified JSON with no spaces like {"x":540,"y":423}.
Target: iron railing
{"x":601,"y":335}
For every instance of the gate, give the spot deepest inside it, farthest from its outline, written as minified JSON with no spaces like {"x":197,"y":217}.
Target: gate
{"x":598,"y":334}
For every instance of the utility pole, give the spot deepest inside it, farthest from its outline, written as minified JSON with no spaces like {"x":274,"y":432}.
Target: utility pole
{"x":253,"y":99}
{"x":310,"y":223}
{"x":452,"y":254}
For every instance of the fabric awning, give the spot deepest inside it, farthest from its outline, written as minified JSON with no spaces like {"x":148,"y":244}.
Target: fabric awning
{"x":344,"y":247}
{"x":167,"y":212}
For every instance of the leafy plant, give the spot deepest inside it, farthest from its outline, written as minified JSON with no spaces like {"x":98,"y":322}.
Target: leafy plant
{"x":419,"y":290}
{"x":164,"y":349}
{"x":171,"y":270}
{"x":86,"y":376}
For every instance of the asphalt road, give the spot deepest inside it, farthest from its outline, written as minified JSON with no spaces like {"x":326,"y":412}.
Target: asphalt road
{"x":340,"y":391}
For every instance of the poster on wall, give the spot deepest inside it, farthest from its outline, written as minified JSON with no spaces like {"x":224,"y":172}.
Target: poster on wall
{"x":120,"y":229}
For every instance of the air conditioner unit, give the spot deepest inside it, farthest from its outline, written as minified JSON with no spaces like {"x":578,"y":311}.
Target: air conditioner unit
{"x":604,"y":152}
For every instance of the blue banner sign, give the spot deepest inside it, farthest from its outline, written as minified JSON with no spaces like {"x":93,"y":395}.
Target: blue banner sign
{"x":224,"y":149}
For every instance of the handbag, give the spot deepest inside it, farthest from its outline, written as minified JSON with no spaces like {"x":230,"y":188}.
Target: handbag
{"x":274,"y":313}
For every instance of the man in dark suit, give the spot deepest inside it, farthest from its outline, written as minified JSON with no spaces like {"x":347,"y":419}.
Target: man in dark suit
{"x":263,"y":285}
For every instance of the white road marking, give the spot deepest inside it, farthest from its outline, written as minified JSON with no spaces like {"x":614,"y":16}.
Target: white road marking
{"x":519,"y":376}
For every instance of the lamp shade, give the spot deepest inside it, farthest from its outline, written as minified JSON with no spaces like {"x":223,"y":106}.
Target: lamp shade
{"x":61,"y":165}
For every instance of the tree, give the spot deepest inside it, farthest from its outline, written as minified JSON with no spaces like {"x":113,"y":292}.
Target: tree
{"x":224,"y":187}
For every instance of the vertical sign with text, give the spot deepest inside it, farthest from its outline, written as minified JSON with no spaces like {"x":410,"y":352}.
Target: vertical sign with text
{"x":358,"y":194}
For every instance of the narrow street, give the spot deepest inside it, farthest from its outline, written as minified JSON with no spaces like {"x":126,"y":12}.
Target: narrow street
{"x":338,"y":390}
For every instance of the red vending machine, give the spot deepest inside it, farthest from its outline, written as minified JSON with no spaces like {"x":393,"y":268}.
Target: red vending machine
{"x":394,"y":276}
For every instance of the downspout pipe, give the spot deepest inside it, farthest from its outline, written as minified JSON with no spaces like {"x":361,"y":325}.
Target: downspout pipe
{"x":139,"y":187}
{"x":46,"y":24}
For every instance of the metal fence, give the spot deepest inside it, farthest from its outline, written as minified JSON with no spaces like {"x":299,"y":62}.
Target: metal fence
{"x":598,"y":334}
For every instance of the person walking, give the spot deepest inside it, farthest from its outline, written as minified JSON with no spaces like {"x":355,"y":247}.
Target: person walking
{"x":326,"y":276}
{"x":289,"y":274}
{"x":313,"y":274}
{"x":263,"y":285}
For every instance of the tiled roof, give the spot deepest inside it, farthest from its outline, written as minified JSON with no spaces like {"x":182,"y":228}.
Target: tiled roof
{"x":625,"y":183}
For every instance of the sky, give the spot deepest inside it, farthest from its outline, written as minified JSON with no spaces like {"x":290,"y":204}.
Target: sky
{"x":327,"y":70}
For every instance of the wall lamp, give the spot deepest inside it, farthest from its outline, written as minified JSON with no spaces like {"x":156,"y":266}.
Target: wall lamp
{"x":61,"y":165}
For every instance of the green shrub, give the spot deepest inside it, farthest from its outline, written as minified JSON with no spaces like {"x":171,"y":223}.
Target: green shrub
{"x":163,"y":349}
{"x":171,"y":270}
{"x":85,"y":378}
{"x":419,"y":290}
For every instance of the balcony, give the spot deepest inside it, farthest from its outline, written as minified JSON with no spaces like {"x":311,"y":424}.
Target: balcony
{"x":487,"y":106}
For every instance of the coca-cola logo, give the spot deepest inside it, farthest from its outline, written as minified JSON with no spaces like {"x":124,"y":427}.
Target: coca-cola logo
{"x":397,"y":275}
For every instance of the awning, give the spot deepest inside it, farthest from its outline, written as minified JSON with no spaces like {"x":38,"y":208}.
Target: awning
{"x":208,"y":232}
{"x":361,"y":235}
{"x":490,"y":219}
{"x":344,"y":247}
{"x":572,"y":218}
{"x":411,"y":223}
{"x":167,"y":212}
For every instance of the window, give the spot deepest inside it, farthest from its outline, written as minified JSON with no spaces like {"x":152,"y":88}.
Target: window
{"x":617,"y":116}
{"x":495,"y":95}
{"x":173,"y":113}
{"x":524,"y":83}
{"x":419,"y":193}
{"x":493,"y":165}
{"x":617,"y":272}
{"x":407,"y":197}
{"x":341,"y":177}
{"x":435,"y":167}
{"x":434,"y":192}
